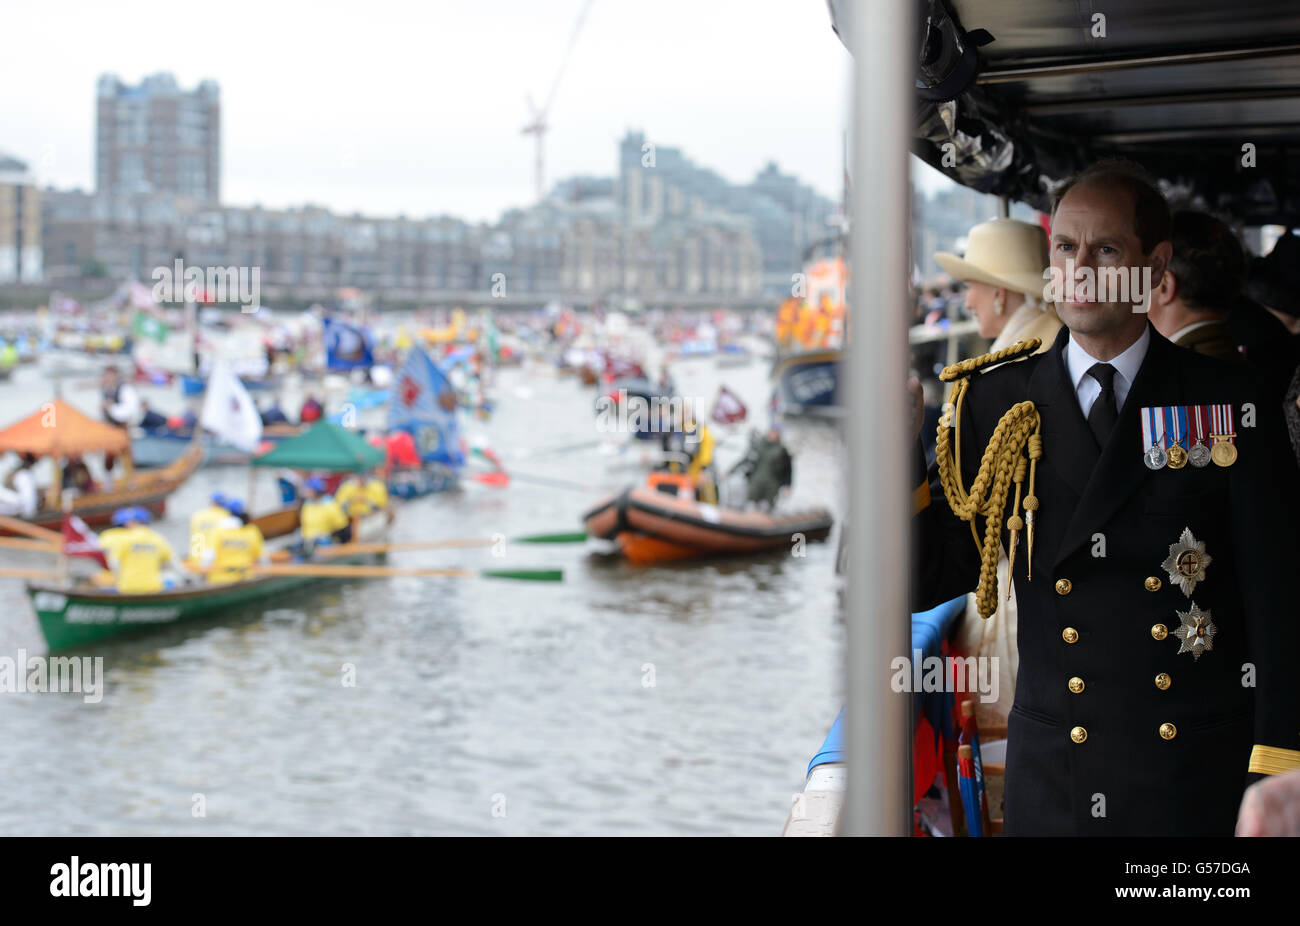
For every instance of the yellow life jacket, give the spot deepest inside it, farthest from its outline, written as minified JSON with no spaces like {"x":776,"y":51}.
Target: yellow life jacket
{"x":202,"y":525}
{"x":358,"y":500}
{"x":321,"y":517}
{"x":351,"y":497}
{"x":377,"y":493}
{"x":703,"y":451}
{"x":237,"y":549}
{"x":137,"y":555}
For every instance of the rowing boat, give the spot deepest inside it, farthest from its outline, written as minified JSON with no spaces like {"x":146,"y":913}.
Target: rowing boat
{"x":60,"y":432}
{"x":146,"y":489}
{"x":80,"y":615}
{"x":650,"y":526}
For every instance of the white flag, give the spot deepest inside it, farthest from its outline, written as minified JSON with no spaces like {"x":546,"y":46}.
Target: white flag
{"x":228,"y":412}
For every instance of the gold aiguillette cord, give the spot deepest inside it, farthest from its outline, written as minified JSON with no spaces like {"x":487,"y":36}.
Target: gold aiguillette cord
{"x":1015,"y":447}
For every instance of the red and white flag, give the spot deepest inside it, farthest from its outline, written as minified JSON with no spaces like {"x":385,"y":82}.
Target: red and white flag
{"x":727,"y":407}
{"x":80,"y":540}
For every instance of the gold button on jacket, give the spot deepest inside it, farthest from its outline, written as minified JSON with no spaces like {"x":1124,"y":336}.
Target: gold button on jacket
{"x":1163,"y":681}
{"x":1070,"y":635}
{"x":1159,"y":631}
{"x":1153,"y":583}
{"x":1078,"y":734}
{"x":1076,"y":684}
{"x":1063,"y":586}
{"x":1168,"y":731}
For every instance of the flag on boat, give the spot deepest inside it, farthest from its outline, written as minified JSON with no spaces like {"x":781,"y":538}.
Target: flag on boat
{"x":727,"y":407}
{"x":80,"y":540}
{"x":424,"y":403}
{"x":228,"y":411}
{"x":145,"y":325}
{"x":347,"y":347}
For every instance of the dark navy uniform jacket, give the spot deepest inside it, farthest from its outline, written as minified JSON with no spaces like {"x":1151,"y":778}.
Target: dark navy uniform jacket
{"x":1113,"y":731}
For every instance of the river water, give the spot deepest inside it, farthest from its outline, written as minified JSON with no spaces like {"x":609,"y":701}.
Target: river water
{"x":682,"y":699}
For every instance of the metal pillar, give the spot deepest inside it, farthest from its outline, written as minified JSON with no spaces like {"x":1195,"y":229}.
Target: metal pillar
{"x":878,"y":720}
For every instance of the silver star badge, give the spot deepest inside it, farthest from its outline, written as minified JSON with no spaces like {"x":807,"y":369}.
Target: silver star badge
{"x":1196,"y":633}
{"x":1186,"y":562}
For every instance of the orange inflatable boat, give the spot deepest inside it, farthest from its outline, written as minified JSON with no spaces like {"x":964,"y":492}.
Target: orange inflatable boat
{"x":652,"y":526}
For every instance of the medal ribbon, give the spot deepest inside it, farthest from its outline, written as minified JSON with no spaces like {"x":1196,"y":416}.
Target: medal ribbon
{"x":1221,"y":423}
{"x":1175,"y":424}
{"x":1153,"y":428}
{"x":1197,"y":435}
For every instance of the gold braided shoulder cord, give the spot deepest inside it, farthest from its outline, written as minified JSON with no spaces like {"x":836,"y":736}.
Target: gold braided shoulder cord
{"x":1016,"y":441}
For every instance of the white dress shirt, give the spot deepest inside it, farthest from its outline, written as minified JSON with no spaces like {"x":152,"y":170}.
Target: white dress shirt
{"x":1078,"y":362}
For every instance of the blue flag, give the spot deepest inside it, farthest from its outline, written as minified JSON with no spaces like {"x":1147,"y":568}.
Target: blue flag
{"x":424,"y":403}
{"x":347,"y":347}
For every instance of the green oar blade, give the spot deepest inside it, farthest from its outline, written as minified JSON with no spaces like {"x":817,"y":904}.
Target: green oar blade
{"x":571,"y":537}
{"x":533,"y":575}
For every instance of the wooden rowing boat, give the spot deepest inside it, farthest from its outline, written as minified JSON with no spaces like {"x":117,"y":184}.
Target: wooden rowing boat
{"x":60,"y":432}
{"x":279,"y":523}
{"x":81,"y":615}
{"x":147,"y":489}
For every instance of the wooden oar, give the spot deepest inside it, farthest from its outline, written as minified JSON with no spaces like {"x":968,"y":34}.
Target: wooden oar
{"x":16,"y":526}
{"x":346,"y":549}
{"x":501,"y":480}
{"x":325,"y":570}
{"x":10,"y":573}
{"x":34,"y":546}
{"x":566,"y":448}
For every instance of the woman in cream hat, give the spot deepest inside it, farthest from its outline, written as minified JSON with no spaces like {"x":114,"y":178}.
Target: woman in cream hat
{"x":1003,"y":272}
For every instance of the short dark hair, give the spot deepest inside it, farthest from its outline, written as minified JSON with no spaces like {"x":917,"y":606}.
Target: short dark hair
{"x":1151,"y":218}
{"x":1208,"y":263}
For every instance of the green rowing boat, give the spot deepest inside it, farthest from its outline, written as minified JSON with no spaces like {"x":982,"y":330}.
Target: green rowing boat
{"x":76,"y":616}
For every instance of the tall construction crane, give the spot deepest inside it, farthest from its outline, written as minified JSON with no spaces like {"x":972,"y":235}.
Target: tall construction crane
{"x":537,"y":121}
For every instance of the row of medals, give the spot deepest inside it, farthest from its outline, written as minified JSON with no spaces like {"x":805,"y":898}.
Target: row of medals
{"x":1223,"y":453}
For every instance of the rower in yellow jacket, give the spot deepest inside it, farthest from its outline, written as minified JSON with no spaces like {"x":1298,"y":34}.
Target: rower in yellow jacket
{"x":136,"y":552}
{"x":204,"y":521}
{"x":359,"y":496}
{"x":237,"y":545}
{"x":321,"y":517}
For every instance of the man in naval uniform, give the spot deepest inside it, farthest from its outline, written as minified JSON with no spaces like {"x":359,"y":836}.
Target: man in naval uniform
{"x":1158,"y":628}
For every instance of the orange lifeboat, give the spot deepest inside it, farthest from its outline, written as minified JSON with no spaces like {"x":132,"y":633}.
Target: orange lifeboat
{"x":664,"y":522}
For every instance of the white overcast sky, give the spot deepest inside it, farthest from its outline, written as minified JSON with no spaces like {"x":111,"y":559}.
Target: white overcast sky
{"x":416,"y":107}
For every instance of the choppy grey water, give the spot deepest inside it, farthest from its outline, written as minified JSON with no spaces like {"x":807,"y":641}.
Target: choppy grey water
{"x":480,"y":707}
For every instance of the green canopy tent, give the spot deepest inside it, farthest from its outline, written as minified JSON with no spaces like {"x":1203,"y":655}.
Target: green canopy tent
{"x":327,"y":447}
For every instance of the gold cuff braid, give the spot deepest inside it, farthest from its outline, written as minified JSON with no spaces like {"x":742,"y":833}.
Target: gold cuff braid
{"x":920,"y":498}
{"x":1273,"y":760}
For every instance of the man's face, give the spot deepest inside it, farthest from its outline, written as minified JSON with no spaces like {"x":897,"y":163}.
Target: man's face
{"x":1094,"y":228}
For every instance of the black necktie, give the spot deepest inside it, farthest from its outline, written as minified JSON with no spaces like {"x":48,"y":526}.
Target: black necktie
{"x":1105,"y":411}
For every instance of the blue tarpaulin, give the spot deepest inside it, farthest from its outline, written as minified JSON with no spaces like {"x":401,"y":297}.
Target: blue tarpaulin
{"x":929,"y":629}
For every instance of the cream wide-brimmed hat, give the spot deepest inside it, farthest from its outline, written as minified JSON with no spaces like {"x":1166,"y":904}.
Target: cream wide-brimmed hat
{"x":1003,"y":252}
